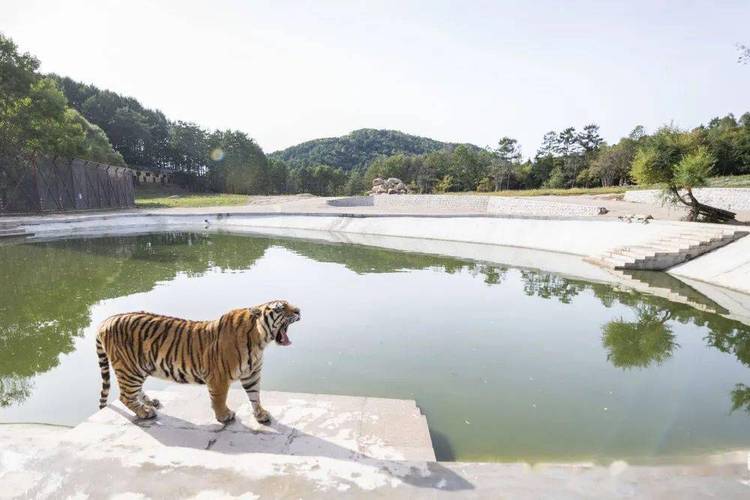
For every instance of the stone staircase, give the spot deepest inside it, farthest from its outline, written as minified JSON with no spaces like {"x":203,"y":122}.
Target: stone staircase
{"x":674,"y":246}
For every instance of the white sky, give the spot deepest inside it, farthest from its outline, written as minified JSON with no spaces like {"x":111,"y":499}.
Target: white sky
{"x":472,"y":71}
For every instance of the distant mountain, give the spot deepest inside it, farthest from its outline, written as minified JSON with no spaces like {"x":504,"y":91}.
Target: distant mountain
{"x":357,"y":149}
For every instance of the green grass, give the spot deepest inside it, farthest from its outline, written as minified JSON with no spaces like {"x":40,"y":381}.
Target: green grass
{"x":172,"y":196}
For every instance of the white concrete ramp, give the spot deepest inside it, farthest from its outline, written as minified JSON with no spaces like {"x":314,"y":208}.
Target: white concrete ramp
{"x":341,"y":427}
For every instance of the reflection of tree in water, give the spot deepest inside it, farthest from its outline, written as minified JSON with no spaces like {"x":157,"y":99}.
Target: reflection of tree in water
{"x":13,"y":388}
{"x":734,"y":341}
{"x":547,"y":285}
{"x":741,"y":397}
{"x":649,"y":339}
{"x":637,"y":344}
{"x":49,"y":287}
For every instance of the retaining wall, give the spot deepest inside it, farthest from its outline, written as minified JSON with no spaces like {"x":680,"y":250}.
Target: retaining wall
{"x":470,"y":203}
{"x":492,"y":239}
{"x":584,"y":237}
{"x":726,"y":198}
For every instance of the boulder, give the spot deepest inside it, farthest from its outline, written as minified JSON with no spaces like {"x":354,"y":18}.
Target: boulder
{"x":392,"y":185}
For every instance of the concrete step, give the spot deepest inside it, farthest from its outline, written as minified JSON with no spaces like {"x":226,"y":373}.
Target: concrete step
{"x":690,"y":242}
{"x":667,"y":251}
{"x":702,"y":230}
{"x":638,"y":252}
{"x":343,"y":427}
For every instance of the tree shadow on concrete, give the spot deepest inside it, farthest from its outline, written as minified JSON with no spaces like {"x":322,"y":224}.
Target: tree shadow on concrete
{"x":281,"y":439}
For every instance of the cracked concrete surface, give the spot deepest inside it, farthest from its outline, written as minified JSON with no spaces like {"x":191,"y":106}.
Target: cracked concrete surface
{"x":318,"y":446}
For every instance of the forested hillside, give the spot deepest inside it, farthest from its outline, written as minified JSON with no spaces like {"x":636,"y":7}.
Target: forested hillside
{"x":357,"y":149}
{"x":220,"y":160}
{"x":57,"y":116}
{"x":35,"y":118}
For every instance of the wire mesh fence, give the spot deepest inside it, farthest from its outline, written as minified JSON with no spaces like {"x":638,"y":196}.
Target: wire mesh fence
{"x":56,"y":185}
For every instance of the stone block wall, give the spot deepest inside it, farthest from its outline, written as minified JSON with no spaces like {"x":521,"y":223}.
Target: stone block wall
{"x":495,"y":205}
{"x":726,"y":198}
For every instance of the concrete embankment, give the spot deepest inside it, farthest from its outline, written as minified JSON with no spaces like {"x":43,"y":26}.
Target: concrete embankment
{"x":318,"y":446}
{"x":493,"y":205}
{"x":558,"y":245}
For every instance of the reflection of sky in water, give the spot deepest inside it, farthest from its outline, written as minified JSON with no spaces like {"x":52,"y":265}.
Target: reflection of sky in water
{"x":500,"y":371}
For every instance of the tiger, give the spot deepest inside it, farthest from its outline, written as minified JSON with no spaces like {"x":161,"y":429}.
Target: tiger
{"x":215,"y":353}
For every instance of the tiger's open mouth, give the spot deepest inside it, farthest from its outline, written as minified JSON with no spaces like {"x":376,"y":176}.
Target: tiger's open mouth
{"x":282,"y":338}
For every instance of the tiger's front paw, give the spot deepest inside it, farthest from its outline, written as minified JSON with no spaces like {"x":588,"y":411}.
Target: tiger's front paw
{"x":226,"y":418}
{"x":262,"y":416}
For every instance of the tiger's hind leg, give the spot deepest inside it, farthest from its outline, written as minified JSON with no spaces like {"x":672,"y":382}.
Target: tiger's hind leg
{"x":131,"y":388}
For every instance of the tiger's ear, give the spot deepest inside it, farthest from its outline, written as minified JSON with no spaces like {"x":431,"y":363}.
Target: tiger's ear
{"x":278,"y":307}
{"x":254,"y":312}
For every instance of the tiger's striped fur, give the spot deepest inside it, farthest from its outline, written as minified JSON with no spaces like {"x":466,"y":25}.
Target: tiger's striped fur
{"x":215,"y":353}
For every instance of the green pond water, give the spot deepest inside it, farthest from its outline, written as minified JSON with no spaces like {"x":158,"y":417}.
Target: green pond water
{"x":507,"y":364}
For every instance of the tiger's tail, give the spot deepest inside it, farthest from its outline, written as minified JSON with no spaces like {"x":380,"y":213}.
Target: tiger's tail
{"x":104,"y":366}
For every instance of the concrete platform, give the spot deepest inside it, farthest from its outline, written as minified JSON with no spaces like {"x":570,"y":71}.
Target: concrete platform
{"x":319,"y":447}
{"x":341,"y":427}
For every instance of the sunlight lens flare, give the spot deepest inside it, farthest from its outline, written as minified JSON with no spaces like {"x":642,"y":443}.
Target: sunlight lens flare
{"x":217,"y":154}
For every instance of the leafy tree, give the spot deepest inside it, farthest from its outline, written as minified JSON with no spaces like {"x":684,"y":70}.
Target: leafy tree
{"x":241,"y":166}
{"x":589,"y":139}
{"x":400,"y":165}
{"x":188,"y":148}
{"x":729,"y":141}
{"x":612,"y":165}
{"x":508,"y":158}
{"x":41,"y":123}
{"x":564,"y":158}
{"x":35,"y":119}
{"x":322,"y":180}
{"x":96,"y":144}
{"x":17,"y":71}
{"x":355,"y":184}
{"x":673,"y":158}
{"x":278,"y":176}
{"x":445,"y":184}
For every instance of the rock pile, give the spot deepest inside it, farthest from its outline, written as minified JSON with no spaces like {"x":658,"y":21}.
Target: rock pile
{"x":643,"y":219}
{"x":391,"y":185}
